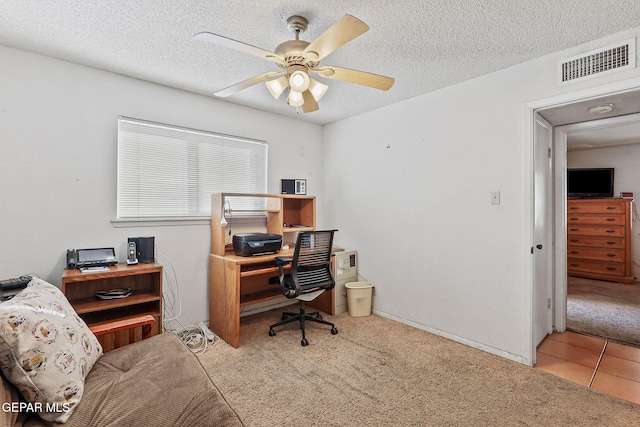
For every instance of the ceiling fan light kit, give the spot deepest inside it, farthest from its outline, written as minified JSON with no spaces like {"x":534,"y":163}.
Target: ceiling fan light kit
{"x":295,"y":99}
{"x":298,"y":58}
{"x":277,"y":86}
{"x":317,"y":89}
{"x":298,"y":79}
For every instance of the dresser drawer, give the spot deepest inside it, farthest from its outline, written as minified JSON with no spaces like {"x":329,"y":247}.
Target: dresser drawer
{"x":596,"y":219}
{"x":594,"y":230}
{"x":601,"y":267}
{"x":596,"y":242}
{"x":592,"y":207}
{"x":598,"y":254}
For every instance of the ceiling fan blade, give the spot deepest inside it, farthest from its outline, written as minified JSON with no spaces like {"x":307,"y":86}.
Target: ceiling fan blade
{"x":340,"y":33}
{"x":236,"y":45}
{"x":248,"y":83}
{"x":354,"y":76}
{"x":310,"y":103}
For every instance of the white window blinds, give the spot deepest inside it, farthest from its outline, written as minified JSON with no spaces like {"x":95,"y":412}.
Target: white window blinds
{"x":166,"y":171}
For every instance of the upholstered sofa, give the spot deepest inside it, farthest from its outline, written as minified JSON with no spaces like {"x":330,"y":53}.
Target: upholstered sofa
{"x":154,"y":382}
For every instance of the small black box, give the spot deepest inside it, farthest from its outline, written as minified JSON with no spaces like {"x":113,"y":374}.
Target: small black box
{"x":249,"y":244}
{"x":145,"y":247}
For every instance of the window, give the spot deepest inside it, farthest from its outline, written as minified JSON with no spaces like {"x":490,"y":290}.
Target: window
{"x":166,"y":171}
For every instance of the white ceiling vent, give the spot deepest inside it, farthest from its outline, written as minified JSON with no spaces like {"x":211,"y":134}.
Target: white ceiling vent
{"x":598,"y":62}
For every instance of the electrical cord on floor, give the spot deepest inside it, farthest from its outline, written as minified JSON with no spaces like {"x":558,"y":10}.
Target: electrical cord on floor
{"x":198,"y":338}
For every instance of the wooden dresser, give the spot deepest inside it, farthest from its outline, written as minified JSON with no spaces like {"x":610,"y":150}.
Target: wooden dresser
{"x":599,"y":239}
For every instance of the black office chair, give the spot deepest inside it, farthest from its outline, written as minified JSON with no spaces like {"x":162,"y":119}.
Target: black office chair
{"x":310,"y":276}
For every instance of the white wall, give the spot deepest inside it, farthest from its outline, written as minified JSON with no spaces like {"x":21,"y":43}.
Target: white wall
{"x":410,"y":189}
{"x":408,"y":186}
{"x":58,"y":165}
{"x":626,"y":161}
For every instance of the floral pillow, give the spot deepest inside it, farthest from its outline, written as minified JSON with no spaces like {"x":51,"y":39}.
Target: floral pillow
{"x":46,"y":350}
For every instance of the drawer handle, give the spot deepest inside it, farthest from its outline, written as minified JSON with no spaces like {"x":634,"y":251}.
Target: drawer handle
{"x":611,"y":219}
{"x":610,"y":208}
{"x":611,"y":268}
{"x":575,"y":265}
{"x":611,"y":243}
{"x":574,"y":208}
{"x":575,"y":252}
{"x":611,"y":255}
{"x":574,"y":229}
{"x":575,"y":241}
{"x":611,"y":231}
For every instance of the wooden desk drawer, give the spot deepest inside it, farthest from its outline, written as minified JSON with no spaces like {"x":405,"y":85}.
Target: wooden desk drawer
{"x":596,"y":219}
{"x":597,"y":242}
{"x":598,"y":254}
{"x":588,"y":206}
{"x":610,"y":268}
{"x":594,"y":230}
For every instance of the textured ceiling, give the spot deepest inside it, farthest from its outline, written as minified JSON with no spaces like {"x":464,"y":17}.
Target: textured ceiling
{"x":423,"y":45}
{"x":623,"y":134}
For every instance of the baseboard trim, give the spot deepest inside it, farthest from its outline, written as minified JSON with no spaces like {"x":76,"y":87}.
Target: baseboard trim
{"x":452,"y":337}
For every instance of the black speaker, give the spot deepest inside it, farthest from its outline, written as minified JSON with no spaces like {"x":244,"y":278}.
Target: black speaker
{"x":145,"y":247}
{"x":288,"y":186}
{"x":72,"y":258}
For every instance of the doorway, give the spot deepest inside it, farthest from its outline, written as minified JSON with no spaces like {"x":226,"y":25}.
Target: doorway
{"x":571,"y":109}
{"x":605,"y":308}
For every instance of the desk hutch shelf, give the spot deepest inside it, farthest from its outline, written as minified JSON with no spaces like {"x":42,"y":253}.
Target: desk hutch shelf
{"x":285,"y":214}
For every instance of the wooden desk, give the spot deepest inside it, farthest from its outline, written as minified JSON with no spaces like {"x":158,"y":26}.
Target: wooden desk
{"x":236,"y":281}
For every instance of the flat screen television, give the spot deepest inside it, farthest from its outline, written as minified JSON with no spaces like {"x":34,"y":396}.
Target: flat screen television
{"x":590,"y":182}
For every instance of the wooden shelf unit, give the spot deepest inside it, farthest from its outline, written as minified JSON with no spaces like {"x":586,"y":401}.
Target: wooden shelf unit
{"x":145,"y":281}
{"x":599,"y":239}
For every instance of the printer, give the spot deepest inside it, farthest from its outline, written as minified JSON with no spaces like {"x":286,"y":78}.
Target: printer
{"x":249,"y":244}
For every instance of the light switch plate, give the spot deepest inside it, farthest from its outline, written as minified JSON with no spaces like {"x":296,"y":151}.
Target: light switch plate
{"x":495,"y":197}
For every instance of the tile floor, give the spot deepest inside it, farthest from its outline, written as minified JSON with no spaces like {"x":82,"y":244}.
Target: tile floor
{"x":602,"y":365}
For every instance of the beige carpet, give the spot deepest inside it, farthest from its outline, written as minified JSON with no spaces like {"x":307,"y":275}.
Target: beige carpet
{"x":377,"y":372}
{"x":607,"y":310}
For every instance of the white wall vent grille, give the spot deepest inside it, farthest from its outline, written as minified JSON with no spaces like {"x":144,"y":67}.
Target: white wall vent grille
{"x":598,"y":62}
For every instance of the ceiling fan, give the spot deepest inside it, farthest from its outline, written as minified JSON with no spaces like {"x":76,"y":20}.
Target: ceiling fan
{"x":298,"y":58}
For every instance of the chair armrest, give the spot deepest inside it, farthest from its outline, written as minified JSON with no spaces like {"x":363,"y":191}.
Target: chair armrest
{"x":121,"y":325}
{"x":282,"y":260}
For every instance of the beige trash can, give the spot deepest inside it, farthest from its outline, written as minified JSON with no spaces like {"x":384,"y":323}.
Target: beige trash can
{"x":359,"y":298}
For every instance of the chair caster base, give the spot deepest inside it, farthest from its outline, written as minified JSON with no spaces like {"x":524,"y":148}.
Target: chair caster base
{"x":334,"y":331}
{"x":272,"y":333}
{"x":304,"y":342}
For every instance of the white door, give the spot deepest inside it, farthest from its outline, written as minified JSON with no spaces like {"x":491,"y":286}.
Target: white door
{"x":543,"y":230}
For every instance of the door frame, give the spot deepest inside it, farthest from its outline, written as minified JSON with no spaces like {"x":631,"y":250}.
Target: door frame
{"x":559,"y":306}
